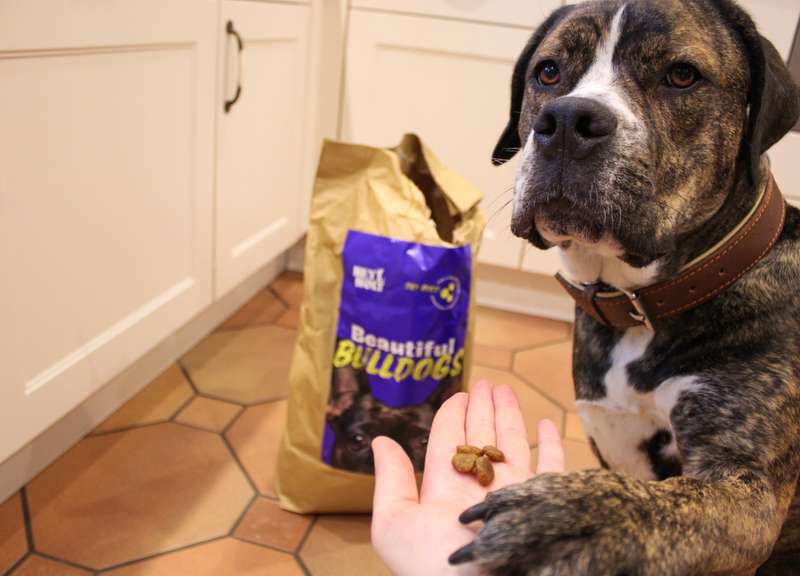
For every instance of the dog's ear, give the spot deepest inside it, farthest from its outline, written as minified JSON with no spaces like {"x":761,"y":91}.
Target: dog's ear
{"x":774,"y":98}
{"x":509,"y":143}
{"x":346,"y":384}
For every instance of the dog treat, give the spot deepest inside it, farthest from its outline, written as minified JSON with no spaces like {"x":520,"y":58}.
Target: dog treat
{"x":467,"y":449}
{"x":484,"y":471}
{"x":494,"y":454}
{"x":471,"y":459}
{"x":464,"y":462}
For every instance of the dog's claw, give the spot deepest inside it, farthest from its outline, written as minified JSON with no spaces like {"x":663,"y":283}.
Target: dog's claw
{"x":476,"y":512}
{"x":463,"y":554}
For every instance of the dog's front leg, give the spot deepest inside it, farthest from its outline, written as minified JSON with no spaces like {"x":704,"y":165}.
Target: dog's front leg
{"x":604,"y":523}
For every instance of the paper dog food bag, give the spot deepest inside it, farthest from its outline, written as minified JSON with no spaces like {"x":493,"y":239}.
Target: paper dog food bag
{"x":386,"y":319}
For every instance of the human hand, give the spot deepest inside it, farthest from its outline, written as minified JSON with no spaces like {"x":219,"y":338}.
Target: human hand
{"x":414,"y":533}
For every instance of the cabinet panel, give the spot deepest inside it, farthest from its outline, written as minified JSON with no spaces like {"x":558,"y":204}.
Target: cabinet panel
{"x":106,"y":180}
{"x":784,"y":157}
{"x":259,"y":180}
{"x":448,"y":82}
{"x":513,"y":12}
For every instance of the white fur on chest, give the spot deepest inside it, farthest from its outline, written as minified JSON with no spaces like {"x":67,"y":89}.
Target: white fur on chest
{"x":625,"y":419}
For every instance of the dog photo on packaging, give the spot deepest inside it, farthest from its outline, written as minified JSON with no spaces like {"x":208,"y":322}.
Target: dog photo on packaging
{"x":641,"y":128}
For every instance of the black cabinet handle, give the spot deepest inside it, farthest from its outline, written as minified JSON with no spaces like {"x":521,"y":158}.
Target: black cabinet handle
{"x":240,"y":46}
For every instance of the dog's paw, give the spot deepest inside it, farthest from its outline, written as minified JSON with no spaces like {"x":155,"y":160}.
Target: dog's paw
{"x":587,"y":523}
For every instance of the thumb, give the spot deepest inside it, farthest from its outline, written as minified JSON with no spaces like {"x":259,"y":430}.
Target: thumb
{"x":395,"y":482}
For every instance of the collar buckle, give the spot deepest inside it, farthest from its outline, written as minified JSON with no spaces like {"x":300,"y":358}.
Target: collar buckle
{"x":641,"y":313}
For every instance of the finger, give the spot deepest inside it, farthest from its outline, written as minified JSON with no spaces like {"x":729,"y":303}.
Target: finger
{"x":480,"y":415}
{"x":509,"y":425}
{"x":551,"y":453}
{"x":447,"y":432}
{"x":395,"y":482}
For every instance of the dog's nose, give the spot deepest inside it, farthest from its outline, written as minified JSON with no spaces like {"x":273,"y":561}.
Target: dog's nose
{"x":573,"y":127}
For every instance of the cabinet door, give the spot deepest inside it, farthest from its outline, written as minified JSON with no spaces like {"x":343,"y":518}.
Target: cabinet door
{"x":259,"y":180}
{"x":106,"y":182}
{"x":447,"y":81}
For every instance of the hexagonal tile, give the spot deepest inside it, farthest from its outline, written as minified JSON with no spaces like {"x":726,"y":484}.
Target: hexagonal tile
{"x":256,"y":437}
{"x":577,"y":456}
{"x":126,"y":495}
{"x":573,"y":429}
{"x":512,"y":331}
{"x":491,"y":357}
{"x":13,"y":542}
{"x":228,"y":557}
{"x":263,"y":308}
{"x":157,"y":402}
{"x":209,"y":414}
{"x":340,"y":546}
{"x":267,"y":524}
{"x":40,"y":566}
{"x":244,"y":366}
{"x":289,"y":286}
{"x":534,"y":406}
{"x":549,"y":369}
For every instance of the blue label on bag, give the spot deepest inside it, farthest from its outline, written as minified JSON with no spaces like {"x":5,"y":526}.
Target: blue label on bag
{"x":399,"y":349}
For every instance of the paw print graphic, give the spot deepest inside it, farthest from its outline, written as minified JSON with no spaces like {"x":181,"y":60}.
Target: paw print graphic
{"x":446,"y":293}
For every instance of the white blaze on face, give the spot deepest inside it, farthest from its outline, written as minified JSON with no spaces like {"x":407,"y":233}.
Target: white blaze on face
{"x":601,"y":80}
{"x":523,"y":172}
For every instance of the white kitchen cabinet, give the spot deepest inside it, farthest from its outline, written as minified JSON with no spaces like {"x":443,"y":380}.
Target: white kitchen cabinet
{"x":106,"y":188}
{"x":509,"y":12}
{"x":447,"y":81}
{"x":260,"y":138}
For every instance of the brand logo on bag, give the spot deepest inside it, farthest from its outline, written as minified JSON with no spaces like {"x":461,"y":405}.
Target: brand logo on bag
{"x":448,"y":290}
{"x":368,"y":278}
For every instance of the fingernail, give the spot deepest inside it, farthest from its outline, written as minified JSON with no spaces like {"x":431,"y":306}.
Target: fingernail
{"x":463,"y":554}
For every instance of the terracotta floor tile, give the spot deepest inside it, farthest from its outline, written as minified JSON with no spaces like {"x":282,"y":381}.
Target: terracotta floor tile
{"x":289,"y":286}
{"x":13,"y":542}
{"x":573,"y":429}
{"x":534,"y":406}
{"x":265,"y":523}
{"x":513,"y":331}
{"x":263,"y":308}
{"x":244,"y":366}
{"x":490,"y":357}
{"x":577,"y":456}
{"x":209,"y":414}
{"x":158,"y":402}
{"x":39,"y":566}
{"x":340,"y":546}
{"x":122,"y":496}
{"x":549,"y":369}
{"x":225,"y":557}
{"x":289,"y":319}
{"x":255,"y":437}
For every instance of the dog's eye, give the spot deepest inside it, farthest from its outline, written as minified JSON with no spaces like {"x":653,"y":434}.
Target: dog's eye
{"x":682,"y":75}
{"x":357,"y":442}
{"x":547,"y":73}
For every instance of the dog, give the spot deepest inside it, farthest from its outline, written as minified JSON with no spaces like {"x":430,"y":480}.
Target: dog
{"x":642,"y":127}
{"x":356,"y":417}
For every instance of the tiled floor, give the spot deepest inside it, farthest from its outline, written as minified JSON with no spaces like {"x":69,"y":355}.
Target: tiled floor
{"x":180,"y":481}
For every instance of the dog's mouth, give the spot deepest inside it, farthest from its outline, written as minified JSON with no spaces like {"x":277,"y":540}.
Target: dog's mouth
{"x":559,"y":222}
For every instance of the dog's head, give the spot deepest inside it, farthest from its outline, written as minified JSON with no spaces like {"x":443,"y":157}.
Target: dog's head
{"x":356,"y":417}
{"x":634,"y":118}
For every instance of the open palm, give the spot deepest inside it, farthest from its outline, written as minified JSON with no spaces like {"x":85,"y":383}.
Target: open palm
{"x":414,"y":532}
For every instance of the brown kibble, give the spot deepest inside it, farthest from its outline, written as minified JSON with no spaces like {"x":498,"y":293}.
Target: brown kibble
{"x":484,"y":470}
{"x":464,"y":463}
{"x":467,"y":449}
{"x":494,"y":454}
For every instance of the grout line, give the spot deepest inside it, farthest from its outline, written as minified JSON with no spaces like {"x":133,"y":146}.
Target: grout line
{"x":265,"y":546}
{"x":65,"y":562}
{"x":536,"y":389}
{"x":544,"y":344}
{"x":26,"y":516}
{"x":280,"y":299}
{"x":239,"y":463}
{"x":304,"y":539}
{"x":160,"y":554}
{"x":124,"y":429}
{"x":182,"y":408}
{"x":242,"y":515}
{"x":302,"y":564}
{"x":186,"y":375}
{"x":17,"y":564}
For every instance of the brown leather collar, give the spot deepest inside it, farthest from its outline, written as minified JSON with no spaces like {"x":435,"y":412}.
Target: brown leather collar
{"x":699,"y":281}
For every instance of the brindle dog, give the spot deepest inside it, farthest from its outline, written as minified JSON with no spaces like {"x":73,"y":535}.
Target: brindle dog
{"x":642,"y":126}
